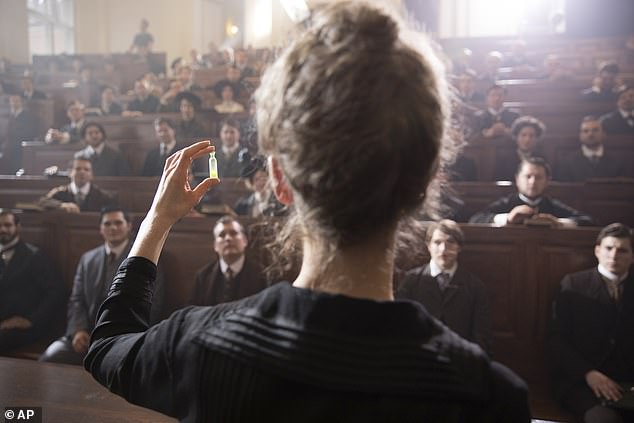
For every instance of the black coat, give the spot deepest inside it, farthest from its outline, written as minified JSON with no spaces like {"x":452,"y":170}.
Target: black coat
{"x":578,"y":168}
{"x":614,"y":123}
{"x":109,"y":163}
{"x":463,"y":305}
{"x":31,"y":287}
{"x":547,"y":205}
{"x":290,"y":354}
{"x":590,"y":332}
{"x":154,"y":162}
{"x":94,"y":201}
{"x":149,"y":105}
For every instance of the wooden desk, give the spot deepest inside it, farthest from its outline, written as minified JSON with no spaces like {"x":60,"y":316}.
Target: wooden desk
{"x":66,"y":394}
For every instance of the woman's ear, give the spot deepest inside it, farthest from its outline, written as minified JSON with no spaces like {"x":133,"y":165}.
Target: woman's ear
{"x":280,"y":187}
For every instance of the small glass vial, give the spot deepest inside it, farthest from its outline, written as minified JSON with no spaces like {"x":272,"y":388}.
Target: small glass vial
{"x":213,"y":165}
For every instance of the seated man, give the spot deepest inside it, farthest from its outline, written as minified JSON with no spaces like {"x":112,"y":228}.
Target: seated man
{"x":233,"y":275}
{"x":33,"y":293}
{"x":448,"y":292}
{"x":592,"y":160}
{"x":95,"y":272}
{"x":23,"y":126}
{"x":144,"y":102}
{"x":621,"y":120}
{"x":155,"y":159}
{"x":466,"y":88}
{"x":80,"y":195}
{"x":105,"y":160}
{"x":70,"y":133}
{"x":29,"y":92}
{"x":605,"y":85}
{"x":496,"y":120}
{"x":189,"y":128}
{"x":529,"y":204}
{"x":107,"y":106}
{"x":168,"y":103}
{"x":242,"y":64}
{"x":229,"y":164}
{"x":592,"y":332}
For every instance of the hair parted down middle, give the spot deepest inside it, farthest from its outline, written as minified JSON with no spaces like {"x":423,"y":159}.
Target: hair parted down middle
{"x":355,"y":110}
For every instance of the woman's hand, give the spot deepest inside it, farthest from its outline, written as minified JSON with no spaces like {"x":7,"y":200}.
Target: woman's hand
{"x":174,"y":196}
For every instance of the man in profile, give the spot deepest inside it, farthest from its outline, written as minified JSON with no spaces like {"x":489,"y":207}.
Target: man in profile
{"x":80,"y":195}
{"x":529,"y":204}
{"x":32,"y":292}
{"x":93,"y":277}
{"x":592,"y":333}
{"x":233,"y":275}
{"x":448,"y":291}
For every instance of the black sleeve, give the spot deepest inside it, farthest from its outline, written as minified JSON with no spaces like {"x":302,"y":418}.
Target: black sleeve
{"x":487,"y":215}
{"x":125,"y":356}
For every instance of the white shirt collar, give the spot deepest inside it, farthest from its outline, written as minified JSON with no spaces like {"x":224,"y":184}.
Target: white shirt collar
{"x":611,"y":276}
{"x":169,"y":146}
{"x":589,"y":153}
{"x":495,"y":112}
{"x":96,"y":150}
{"x":435,"y":270}
{"x":8,"y":255}
{"x":626,"y":115}
{"x":77,"y":124}
{"x":530,"y":202}
{"x":84,"y":190}
{"x":229,"y":151}
{"x":236,"y":267}
{"x":118,"y":250}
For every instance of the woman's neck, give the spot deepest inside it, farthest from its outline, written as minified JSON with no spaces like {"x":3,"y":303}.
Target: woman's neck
{"x":362,"y":271}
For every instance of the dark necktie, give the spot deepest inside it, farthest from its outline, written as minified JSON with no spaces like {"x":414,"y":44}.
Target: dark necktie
{"x":443,"y":280}
{"x":79,"y":198}
{"x":229,"y":286}
{"x":3,"y":264}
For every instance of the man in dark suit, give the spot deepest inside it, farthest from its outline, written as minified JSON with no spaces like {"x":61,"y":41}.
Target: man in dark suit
{"x":80,"y":195}
{"x":155,"y":159}
{"x":495,"y":120}
{"x":621,"y":120}
{"x":529,"y":205}
{"x":29,"y":92}
{"x":233,"y":275}
{"x":106,"y":161}
{"x":605,"y":86}
{"x":143,"y":102}
{"x":32,"y":293}
{"x":592,"y":160}
{"x":450,"y":293}
{"x":95,"y":272}
{"x":23,"y":126}
{"x":229,"y":164}
{"x":71,"y":132}
{"x":592,"y":332}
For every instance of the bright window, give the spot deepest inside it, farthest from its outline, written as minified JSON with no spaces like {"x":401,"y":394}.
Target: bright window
{"x":51,"y":26}
{"x":486,"y":18}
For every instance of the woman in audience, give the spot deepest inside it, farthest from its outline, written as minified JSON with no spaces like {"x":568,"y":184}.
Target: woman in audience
{"x":228,"y":105}
{"x":527,"y":132}
{"x":353,"y":140}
